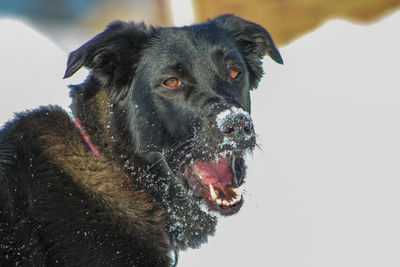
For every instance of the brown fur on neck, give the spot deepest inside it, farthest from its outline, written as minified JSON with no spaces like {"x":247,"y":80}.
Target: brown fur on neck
{"x":101,"y":179}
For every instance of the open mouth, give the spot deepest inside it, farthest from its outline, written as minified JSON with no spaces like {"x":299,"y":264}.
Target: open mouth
{"x":219,"y":183}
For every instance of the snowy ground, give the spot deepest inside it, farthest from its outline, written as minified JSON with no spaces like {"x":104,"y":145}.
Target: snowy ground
{"x":324,"y":190}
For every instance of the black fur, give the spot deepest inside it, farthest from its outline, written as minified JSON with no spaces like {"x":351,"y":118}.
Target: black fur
{"x":63,"y":205}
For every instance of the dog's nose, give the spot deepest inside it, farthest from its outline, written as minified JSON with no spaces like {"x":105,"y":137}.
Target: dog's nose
{"x":235,"y":123}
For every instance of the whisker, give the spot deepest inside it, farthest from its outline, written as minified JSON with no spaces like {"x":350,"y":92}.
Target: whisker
{"x":178,"y":146}
{"x":189,"y":150}
{"x":259,"y":147}
{"x":174,"y":150}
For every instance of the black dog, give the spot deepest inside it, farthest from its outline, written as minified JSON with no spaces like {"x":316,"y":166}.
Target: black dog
{"x":155,"y":151}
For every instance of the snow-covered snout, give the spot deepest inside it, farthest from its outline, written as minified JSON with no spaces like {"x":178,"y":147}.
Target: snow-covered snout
{"x":237,"y":129}
{"x":217,"y":174}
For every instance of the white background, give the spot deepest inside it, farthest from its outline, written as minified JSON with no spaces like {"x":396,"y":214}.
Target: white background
{"x":324,"y":190}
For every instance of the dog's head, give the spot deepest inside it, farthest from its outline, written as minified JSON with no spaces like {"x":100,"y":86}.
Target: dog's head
{"x":184,"y":92}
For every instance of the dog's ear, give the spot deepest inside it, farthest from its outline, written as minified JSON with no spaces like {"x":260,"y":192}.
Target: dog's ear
{"x":253,"y":42}
{"x":112,"y":56}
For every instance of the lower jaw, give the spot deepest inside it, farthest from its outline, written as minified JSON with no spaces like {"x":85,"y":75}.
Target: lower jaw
{"x":225,"y":210}
{"x":226,"y":201}
{"x":201,"y":194}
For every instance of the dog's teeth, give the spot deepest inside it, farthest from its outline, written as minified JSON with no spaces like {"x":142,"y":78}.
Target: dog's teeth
{"x":213,"y":193}
{"x":231,"y":202}
{"x":238,"y":191}
{"x":237,"y":199}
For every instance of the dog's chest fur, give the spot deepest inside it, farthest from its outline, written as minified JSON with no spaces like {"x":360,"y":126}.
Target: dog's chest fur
{"x":95,"y":196}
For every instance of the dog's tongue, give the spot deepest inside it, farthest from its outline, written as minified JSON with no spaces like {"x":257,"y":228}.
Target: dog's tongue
{"x":215,"y":173}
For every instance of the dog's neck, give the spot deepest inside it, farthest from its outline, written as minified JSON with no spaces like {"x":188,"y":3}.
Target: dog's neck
{"x":92,"y":112}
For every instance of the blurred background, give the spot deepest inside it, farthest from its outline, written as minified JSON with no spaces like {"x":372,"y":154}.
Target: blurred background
{"x":324,"y":189}
{"x":285,"y":19}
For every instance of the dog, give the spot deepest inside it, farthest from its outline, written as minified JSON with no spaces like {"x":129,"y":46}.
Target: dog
{"x":153,"y":155}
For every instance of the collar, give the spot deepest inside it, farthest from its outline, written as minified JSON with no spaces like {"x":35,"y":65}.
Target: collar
{"x":86,"y":137}
{"x":172,"y":249}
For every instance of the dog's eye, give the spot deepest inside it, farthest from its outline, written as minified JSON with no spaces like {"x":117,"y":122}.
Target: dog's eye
{"x":233,"y":73}
{"x":172,"y":82}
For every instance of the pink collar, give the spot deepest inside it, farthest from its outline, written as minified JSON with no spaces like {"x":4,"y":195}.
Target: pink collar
{"x":86,"y":137}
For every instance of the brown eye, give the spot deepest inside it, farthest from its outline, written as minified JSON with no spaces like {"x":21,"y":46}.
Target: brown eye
{"x":172,"y":82}
{"x":233,"y":73}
